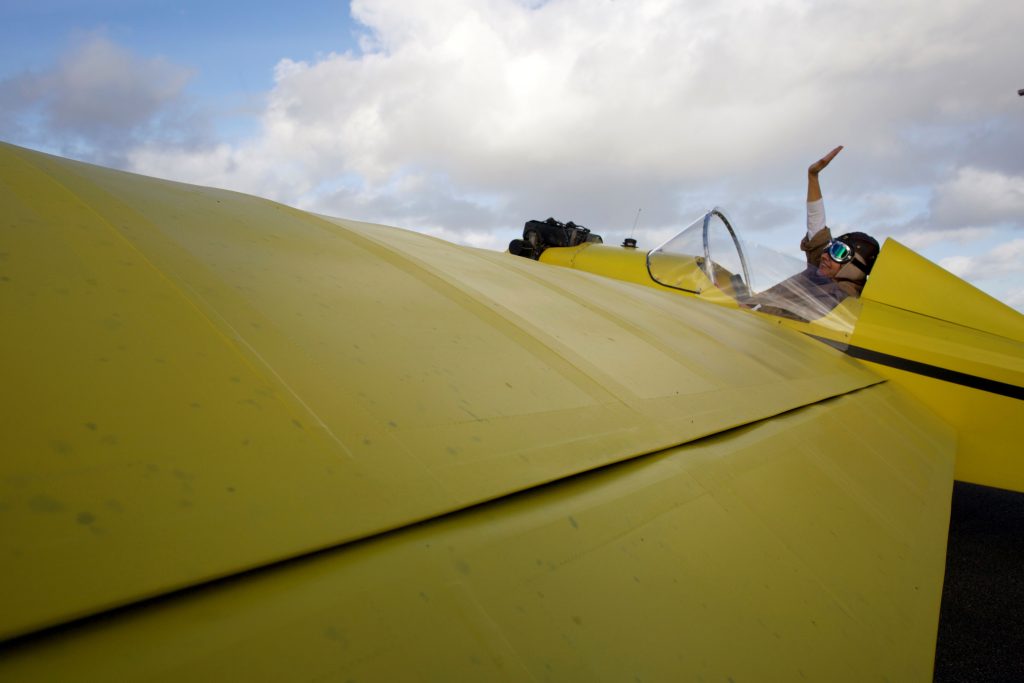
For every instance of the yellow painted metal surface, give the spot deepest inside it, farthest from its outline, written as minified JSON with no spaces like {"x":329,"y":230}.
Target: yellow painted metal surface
{"x":904,"y":279}
{"x":800,"y":548}
{"x":939,"y":343}
{"x":915,"y":311}
{"x":630,"y":265}
{"x":986,"y":424}
{"x":198,"y":382}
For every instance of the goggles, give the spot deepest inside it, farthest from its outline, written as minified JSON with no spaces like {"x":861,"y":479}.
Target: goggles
{"x":840,"y":252}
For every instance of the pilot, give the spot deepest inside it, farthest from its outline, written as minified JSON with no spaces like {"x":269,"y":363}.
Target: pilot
{"x":837,"y":268}
{"x":842,"y":264}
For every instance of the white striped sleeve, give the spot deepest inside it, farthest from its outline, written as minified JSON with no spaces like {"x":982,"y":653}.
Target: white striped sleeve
{"x":815,"y":217}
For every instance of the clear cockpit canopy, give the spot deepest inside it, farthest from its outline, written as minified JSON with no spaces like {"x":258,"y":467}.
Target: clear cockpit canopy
{"x":709,"y":254}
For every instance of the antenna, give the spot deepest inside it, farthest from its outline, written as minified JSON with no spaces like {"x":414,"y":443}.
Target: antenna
{"x":629,"y":242}
{"x":635,"y":221}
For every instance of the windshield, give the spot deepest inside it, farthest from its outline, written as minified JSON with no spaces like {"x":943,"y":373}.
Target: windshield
{"x":709,"y":254}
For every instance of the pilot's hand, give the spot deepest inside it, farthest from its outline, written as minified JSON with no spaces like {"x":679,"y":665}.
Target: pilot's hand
{"x":820,"y":164}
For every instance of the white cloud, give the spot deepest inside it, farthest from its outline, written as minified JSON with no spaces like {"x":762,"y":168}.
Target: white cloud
{"x":592,"y":102}
{"x":467,"y":117}
{"x":1004,"y":259}
{"x":979,"y":197}
{"x":997,"y":269}
{"x":926,"y":238}
{"x":99,"y":100}
{"x":100,"y":85}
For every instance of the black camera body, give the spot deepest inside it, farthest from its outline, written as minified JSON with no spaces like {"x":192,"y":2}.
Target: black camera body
{"x":539,"y":235}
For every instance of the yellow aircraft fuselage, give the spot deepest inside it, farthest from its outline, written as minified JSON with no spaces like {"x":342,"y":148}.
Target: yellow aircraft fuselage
{"x":950,"y":345}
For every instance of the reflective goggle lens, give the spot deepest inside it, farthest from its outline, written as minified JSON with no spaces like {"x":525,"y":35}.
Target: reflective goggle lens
{"x":839,"y":252}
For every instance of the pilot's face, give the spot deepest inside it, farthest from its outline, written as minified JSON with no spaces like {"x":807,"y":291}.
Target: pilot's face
{"x":827,"y":267}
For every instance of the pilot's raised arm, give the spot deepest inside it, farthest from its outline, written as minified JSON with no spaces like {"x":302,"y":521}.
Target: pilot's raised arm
{"x":818,"y":236}
{"x":836,"y":268}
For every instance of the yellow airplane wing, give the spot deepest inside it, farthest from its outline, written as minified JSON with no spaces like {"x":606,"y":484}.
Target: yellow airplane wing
{"x":245,"y":440}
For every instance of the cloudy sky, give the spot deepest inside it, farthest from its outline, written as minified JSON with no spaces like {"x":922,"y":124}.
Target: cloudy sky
{"x":464,"y":118}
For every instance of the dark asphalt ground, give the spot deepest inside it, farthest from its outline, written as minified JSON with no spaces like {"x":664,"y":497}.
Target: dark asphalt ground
{"x":981,"y":623}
